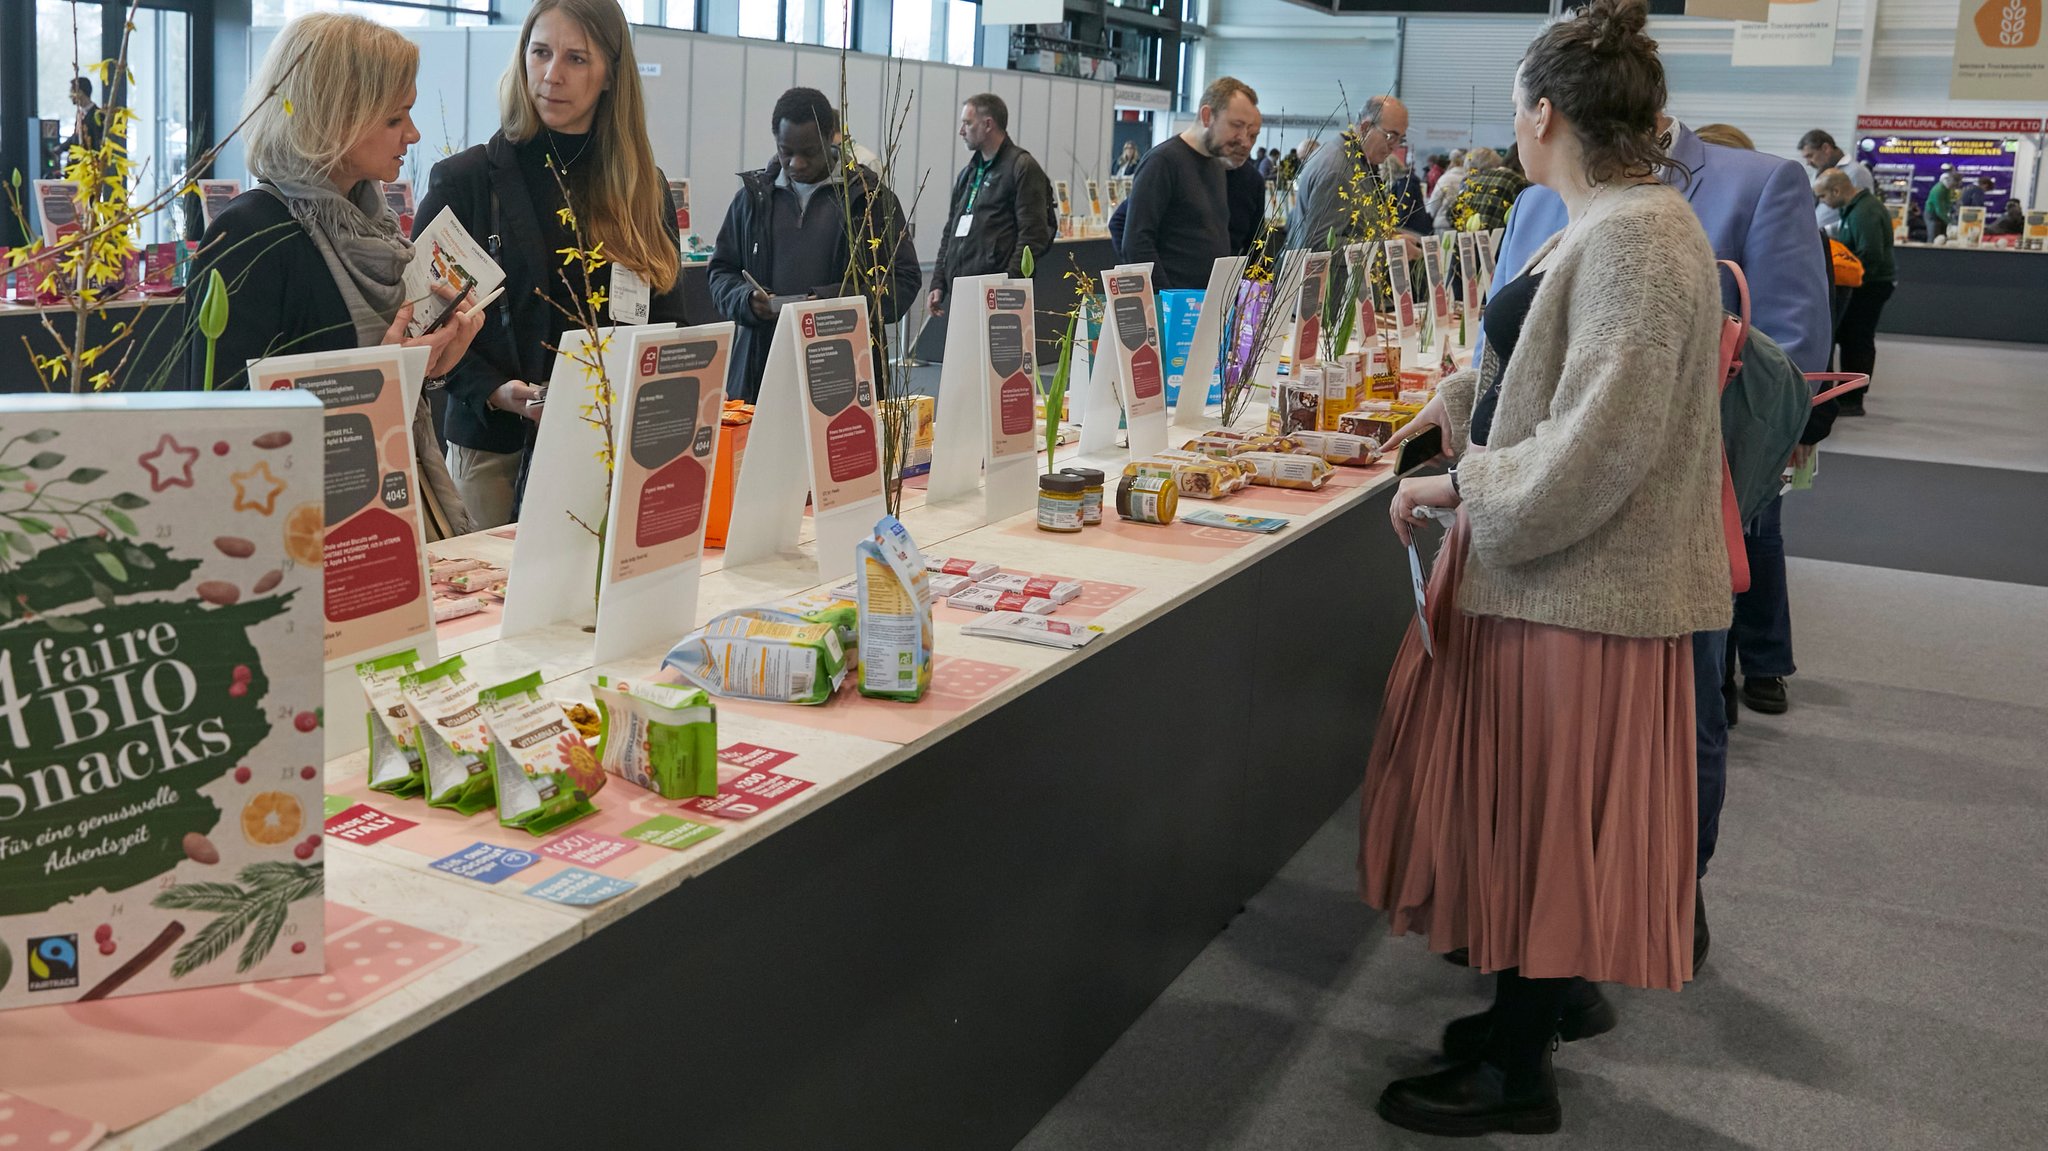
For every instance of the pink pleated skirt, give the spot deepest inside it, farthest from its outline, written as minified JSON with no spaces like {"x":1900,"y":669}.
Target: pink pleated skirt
{"x":1531,"y":795}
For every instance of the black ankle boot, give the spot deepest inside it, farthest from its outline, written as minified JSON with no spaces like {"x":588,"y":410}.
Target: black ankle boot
{"x":1511,"y":1089}
{"x":1474,"y":1099}
{"x":1586,"y":1013}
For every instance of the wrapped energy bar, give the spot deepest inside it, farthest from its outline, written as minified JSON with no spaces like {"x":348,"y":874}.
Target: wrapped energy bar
{"x":981,"y":597}
{"x":1041,"y":587}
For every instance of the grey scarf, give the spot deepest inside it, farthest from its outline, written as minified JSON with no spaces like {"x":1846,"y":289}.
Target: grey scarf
{"x":358,"y":236}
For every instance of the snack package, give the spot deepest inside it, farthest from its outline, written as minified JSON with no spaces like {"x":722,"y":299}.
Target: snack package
{"x":1296,"y":407}
{"x":760,"y":653}
{"x":1340,"y":447}
{"x":1198,"y":477}
{"x":1036,"y":629}
{"x":447,"y":609}
{"x":659,"y":736}
{"x":1378,"y":427}
{"x":476,"y":579}
{"x":1039,"y":587}
{"x":1416,"y":396}
{"x":982,"y":597}
{"x":1340,"y":394}
{"x":440,"y":571}
{"x":394,"y":741}
{"x":895,"y":608}
{"x":835,"y":607}
{"x":453,"y":742}
{"x":545,"y":774}
{"x":1303,"y":473}
{"x":974,"y":570}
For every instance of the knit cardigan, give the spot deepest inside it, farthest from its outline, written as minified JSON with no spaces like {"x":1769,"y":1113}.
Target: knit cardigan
{"x":1596,"y":502}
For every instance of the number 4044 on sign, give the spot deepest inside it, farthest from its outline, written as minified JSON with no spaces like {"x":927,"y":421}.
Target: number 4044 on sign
{"x":160,"y":686}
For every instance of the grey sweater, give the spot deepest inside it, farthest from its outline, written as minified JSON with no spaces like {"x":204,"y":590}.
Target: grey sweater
{"x":1596,"y":505}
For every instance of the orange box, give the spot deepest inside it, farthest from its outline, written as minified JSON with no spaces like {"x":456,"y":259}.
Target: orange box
{"x":733,"y":427}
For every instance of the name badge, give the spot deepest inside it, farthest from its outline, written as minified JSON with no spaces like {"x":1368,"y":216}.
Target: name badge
{"x":966,"y":222}
{"x":632,"y":302}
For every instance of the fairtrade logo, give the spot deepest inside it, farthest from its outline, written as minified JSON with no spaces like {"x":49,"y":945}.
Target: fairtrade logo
{"x":52,"y":962}
{"x":2009,"y":23}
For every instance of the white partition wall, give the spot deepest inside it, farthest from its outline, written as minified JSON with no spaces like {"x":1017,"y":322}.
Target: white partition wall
{"x":709,"y":100}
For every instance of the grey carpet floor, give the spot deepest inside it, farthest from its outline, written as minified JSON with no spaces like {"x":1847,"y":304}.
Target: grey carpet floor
{"x":1880,"y":912}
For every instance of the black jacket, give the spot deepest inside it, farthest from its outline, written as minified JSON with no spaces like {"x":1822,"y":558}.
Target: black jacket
{"x":511,"y":344}
{"x":1012,"y":211}
{"x":746,"y":242}
{"x":282,"y":297}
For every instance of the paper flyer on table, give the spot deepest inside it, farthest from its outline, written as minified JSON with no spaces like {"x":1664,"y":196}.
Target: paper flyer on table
{"x":837,"y":373}
{"x":445,"y":253}
{"x":1012,"y":371}
{"x":366,"y":533}
{"x":216,"y":195}
{"x":1402,"y":289}
{"x":1308,"y":310}
{"x":1137,"y":332}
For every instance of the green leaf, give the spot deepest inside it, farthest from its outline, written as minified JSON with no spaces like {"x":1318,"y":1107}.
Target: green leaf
{"x":111,"y":566}
{"x":1027,"y":263}
{"x":32,"y":525}
{"x":120,"y":520}
{"x":212,"y":941}
{"x":41,"y":436}
{"x":136,"y":557}
{"x":263,"y":933}
{"x":85,"y":475}
{"x":221,"y":898}
{"x":69,"y":625}
{"x":130,"y":501}
{"x":44,"y":461}
{"x":20,"y":543}
{"x":8,"y":472}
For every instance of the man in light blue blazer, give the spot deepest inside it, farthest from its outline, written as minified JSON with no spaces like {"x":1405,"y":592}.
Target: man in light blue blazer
{"x":1758,"y":212}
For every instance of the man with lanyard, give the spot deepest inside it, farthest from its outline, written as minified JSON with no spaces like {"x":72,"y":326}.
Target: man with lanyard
{"x":1002,"y":204}
{"x":1757,"y":212}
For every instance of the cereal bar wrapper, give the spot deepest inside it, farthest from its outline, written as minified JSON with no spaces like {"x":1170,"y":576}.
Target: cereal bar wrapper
{"x":394,"y":731}
{"x":454,"y":744}
{"x":545,"y":774}
{"x":895,"y":609}
{"x":760,"y":653}
{"x":660,"y":736}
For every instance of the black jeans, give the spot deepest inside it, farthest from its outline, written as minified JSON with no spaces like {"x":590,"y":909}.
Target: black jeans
{"x":1857,"y":333}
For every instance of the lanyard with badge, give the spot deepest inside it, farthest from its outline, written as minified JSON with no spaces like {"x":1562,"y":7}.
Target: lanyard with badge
{"x":981,"y":171}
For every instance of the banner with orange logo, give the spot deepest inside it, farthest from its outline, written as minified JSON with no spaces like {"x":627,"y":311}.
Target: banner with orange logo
{"x":2000,"y":54}
{"x":1800,"y":33}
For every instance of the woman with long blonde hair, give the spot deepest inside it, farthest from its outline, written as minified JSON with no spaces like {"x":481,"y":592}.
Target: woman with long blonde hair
{"x":574,"y":137}
{"x":312,"y":256}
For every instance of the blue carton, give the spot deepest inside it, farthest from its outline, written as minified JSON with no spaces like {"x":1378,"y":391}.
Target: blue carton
{"x":1178,"y":311}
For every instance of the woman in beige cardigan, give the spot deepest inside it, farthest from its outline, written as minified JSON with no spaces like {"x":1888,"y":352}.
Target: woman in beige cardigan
{"x":1530,"y":794}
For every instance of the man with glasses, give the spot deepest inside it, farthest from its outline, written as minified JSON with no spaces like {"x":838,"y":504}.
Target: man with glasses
{"x":1320,"y":204}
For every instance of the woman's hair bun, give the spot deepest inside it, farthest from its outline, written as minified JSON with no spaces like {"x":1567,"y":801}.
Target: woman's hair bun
{"x":1615,"y":23}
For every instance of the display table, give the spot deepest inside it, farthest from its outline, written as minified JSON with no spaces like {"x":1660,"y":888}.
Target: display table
{"x":1987,"y":293}
{"x":926,"y":947}
{"x":158,"y":321}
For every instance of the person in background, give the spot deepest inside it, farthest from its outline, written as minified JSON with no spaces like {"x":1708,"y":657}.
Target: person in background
{"x":1127,"y":163}
{"x":1179,"y":219}
{"x":1290,"y":162}
{"x":312,"y":256}
{"x":2011,"y":222}
{"x":1941,"y":204}
{"x":1756,"y":211}
{"x":787,"y":228}
{"x":1438,"y":163}
{"x":1478,"y":162}
{"x":88,"y":120}
{"x":1446,"y":191}
{"x":1320,"y":207}
{"x":1002,"y":204}
{"x":1530,"y":789}
{"x":1821,"y":153}
{"x":1491,"y":189}
{"x":1269,"y":162}
{"x":1975,"y":195}
{"x":1866,"y":230}
{"x":572,"y":117}
{"x":1726,"y":135}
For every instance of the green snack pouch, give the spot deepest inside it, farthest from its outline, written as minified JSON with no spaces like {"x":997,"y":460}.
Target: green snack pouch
{"x":545,"y":773}
{"x":452,"y":740}
{"x":394,"y":738}
{"x":657,"y":735}
{"x":895,"y":615}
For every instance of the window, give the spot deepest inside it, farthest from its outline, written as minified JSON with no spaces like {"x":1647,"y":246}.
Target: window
{"x":635,"y":10}
{"x":963,"y":31}
{"x":794,"y":28}
{"x":835,"y":23}
{"x":160,"y":139}
{"x":411,"y":14}
{"x":679,"y":14}
{"x":910,"y":29}
{"x":762,"y":21}
{"x":59,"y":57}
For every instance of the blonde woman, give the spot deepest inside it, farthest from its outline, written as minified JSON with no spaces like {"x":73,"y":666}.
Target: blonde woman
{"x":312,"y":256}
{"x":573,"y":118}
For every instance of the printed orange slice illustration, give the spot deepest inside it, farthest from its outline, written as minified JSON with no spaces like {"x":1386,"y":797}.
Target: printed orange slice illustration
{"x":271,"y":818}
{"x":304,"y":530}
{"x":2009,"y":23}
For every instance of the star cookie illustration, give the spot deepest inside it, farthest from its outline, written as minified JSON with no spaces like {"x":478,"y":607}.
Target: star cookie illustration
{"x":252,"y":496}
{"x":164,"y":473}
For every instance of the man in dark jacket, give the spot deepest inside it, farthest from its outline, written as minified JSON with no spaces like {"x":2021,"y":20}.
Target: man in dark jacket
{"x":1002,"y":204}
{"x":807,"y":225}
{"x":1866,"y":230}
